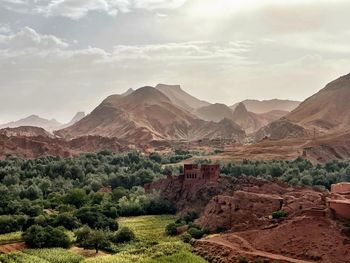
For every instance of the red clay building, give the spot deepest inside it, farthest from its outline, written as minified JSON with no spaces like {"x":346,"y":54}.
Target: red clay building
{"x":205,"y":172}
{"x":193,"y":174}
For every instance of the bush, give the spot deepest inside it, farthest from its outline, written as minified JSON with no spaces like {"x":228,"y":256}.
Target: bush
{"x":67,"y":220}
{"x":196,"y":233}
{"x":125,"y":234}
{"x":220,"y":229}
{"x":10,"y":224}
{"x":186,"y":237}
{"x":243,"y":260}
{"x":96,"y":239}
{"x":279,"y":214}
{"x":46,"y":237}
{"x":171,"y":229}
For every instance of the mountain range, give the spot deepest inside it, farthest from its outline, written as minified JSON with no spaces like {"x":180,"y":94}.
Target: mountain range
{"x":36,"y":121}
{"x":145,"y":115}
{"x":167,"y":114}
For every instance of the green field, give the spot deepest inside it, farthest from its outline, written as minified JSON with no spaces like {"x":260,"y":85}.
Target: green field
{"x":10,"y":238}
{"x":152,"y":246}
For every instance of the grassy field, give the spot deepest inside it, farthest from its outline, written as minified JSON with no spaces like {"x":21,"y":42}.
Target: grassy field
{"x":10,"y":238}
{"x":152,"y":246}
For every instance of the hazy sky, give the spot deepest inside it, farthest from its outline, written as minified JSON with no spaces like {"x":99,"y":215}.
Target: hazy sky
{"x":62,"y":56}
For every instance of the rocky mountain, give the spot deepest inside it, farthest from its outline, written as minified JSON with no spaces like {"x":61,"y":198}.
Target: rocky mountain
{"x":214,"y":112}
{"x":25,"y":131}
{"x":181,"y":98}
{"x":33,"y":147}
{"x":326,"y":111}
{"x":34,"y":120}
{"x":258,"y":106}
{"x":249,"y":121}
{"x":280,"y":129}
{"x":146,"y":115}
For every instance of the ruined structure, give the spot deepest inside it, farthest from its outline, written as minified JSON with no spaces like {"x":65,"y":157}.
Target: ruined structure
{"x":340,"y":203}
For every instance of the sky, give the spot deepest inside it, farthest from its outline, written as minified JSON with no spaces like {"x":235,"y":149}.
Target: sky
{"x":58,"y":57}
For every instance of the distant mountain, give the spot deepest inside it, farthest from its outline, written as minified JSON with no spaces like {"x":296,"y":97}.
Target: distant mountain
{"x":214,"y":112}
{"x":25,"y":131}
{"x":328,"y":110}
{"x":128,"y":92}
{"x":264,"y":106}
{"x":77,"y":117}
{"x":36,"y":121}
{"x":249,"y":121}
{"x":145,"y":115}
{"x":181,"y":98}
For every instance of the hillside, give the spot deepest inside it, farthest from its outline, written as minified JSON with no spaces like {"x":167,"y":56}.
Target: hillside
{"x":33,"y":147}
{"x":34,"y":120}
{"x":181,"y":98}
{"x":326,"y":111}
{"x":25,"y":131}
{"x":214,"y":112}
{"x":258,"y":106}
{"x":146,"y":115}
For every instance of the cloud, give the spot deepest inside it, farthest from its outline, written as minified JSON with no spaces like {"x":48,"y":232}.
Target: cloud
{"x":76,"y":9}
{"x":28,"y":38}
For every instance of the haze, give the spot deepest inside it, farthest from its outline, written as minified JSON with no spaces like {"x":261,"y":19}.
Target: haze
{"x":58,"y":57}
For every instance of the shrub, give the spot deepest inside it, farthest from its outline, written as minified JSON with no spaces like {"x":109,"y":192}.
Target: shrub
{"x":186,"y":237}
{"x":123,"y":235}
{"x":220,"y":229}
{"x":279,"y":214}
{"x":10,"y":224}
{"x":196,"y":233}
{"x":190,"y":216}
{"x":96,"y":239}
{"x":46,"y":237}
{"x":66,"y":220}
{"x":171,"y":229}
{"x":243,"y":260}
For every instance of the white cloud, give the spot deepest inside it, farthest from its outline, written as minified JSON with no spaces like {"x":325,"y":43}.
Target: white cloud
{"x":76,"y":9}
{"x":28,"y":38}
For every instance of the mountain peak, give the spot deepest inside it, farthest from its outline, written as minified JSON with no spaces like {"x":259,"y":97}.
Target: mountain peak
{"x":128,"y":92}
{"x":341,"y":83}
{"x":166,"y":86}
{"x":240,"y":110}
{"x":148,"y":94}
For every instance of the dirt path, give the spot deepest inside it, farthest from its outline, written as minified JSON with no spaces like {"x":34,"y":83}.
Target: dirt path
{"x":242,"y":246}
{"x":8,"y":248}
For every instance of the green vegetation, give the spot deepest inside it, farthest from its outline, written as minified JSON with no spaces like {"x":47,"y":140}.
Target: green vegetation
{"x":10,"y":237}
{"x":19,"y":257}
{"x":55,"y":255}
{"x":193,"y":230}
{"x":297,"y":172}
{"x":279,"y":214}
{"x":151,"y":243}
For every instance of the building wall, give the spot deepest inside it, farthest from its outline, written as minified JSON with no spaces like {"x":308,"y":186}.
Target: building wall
{"x":340,"y":188}
{"x":340,"y":208}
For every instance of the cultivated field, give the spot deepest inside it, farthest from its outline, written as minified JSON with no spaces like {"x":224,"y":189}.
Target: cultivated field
{"x":152,"y":245}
